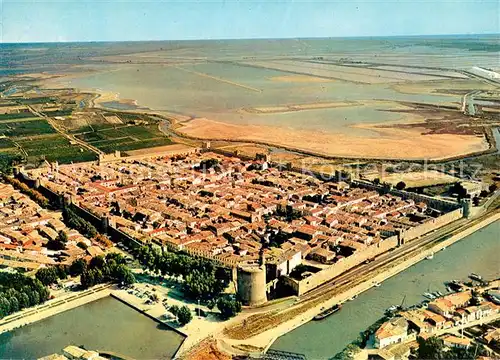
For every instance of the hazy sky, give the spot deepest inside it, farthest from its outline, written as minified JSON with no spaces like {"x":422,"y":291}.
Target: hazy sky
{"x":91,"y":20}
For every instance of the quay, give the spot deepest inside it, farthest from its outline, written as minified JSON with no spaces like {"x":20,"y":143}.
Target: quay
{"x":53,"y":307}
{"x":266,"y":339}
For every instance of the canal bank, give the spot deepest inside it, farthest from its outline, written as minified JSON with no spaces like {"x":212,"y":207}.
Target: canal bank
{"x":105,"y":324}
{"x":323,"y":339}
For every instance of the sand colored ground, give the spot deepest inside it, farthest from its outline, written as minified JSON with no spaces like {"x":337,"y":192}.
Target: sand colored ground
{"x":298,"y":107}
{"x":299,"y":79}
{"x":390,"y":143}
{"x":417,"y":178}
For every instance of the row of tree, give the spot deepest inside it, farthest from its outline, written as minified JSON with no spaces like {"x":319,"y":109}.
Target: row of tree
{"x":74,"y":221}
{"x":18,"y":292}
{"x":100,"y":269}
{"x":50,"y":275}
{"x":202,"y":279}
{"x":25,"y":189}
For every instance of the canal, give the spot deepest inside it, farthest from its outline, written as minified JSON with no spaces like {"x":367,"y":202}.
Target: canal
{"x":105,"y":324}
{"x":477,"y":253}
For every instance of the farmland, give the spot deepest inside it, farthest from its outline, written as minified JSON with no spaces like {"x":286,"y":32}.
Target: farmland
{"x":123,"y":138}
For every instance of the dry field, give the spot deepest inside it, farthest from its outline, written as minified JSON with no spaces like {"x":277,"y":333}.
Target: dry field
{"x":390,"y":143}
{"x":417,"y":178}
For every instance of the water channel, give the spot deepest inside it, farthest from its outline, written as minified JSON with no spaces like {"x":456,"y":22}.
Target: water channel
{"x":477,"y":253}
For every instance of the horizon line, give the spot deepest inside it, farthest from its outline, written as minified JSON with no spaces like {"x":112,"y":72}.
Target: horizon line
{"x":252,"y":38}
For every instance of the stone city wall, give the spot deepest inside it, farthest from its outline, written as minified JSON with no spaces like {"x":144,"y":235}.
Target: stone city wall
{"x":315,"y":280}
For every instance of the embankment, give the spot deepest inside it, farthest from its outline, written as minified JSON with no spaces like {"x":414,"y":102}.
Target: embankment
{"x":265,"y":339}
{"x":53,"y":307}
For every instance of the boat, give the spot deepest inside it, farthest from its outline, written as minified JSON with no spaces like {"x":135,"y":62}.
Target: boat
{"x":430,"y":257}
{"x":439,"y":293}
{"x":476,"y":277}
{"x":391,"y":309}
{"x":429,"y":296}
{"x":376,"y":284}
{"x":325,"y":313}
{"x":443,"y":248}
{"x":354,"y":297}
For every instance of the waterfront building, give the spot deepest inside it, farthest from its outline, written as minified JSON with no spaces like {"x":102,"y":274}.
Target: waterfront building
{"x":391,"y":332}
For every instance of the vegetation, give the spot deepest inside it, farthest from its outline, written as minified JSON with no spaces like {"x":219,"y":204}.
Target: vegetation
{"x":7,"y":161}
{"x":54,"y":148}
{"x":184,"y":315}
{"x":125,"y":138}
{"x":21,"y":115}
{"x":50,"y":275}
{"x":26,"y":127}
{"x":401,"y":185}
{"x":25,"y":189}
{"x":18,"y":292}
{"x":77,"y":267}
{"x":74,"y":221}
{"x":433,"y":348}
{"x":348,"y":353}
{"x":202,"y":280}
{"x":101,"y":269}
{"x":228,"y":307}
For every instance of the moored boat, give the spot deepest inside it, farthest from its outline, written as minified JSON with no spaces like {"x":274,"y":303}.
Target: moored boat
{"x":324,"y":314}
{"x":476,"y":277}
{"x":429,"y":296}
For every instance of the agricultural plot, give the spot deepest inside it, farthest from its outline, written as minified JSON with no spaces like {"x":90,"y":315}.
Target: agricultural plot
{"x":25,"y":128}
{"x":125,"y":138}
{"x":21,"y":115}
{"x":54,"y":148}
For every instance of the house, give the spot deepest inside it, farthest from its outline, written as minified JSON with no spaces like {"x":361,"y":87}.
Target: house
{"x":456,"y":342}
{"x":391,"y":332}
{"x":322,"y":255}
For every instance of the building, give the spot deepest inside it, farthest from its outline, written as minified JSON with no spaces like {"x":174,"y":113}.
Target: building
{"x":391,"y":332}
{"x":456,"y":342}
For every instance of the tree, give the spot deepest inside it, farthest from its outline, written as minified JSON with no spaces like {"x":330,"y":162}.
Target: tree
{"x":82,"y":245}
{"x":492,"y":188}
{"x":184,"y":315}
{"x":62,"y":271}
{"x":62,"y":237}
{"x":174,"y":309}
{"x":47,"y":276}
{"x":124,"y":275}
{"x":55,"y":245}
{"x":401,"y":185}
{"x":228,"y":308}
{"x":77,"y":267}
{"x":431,"y":348}
{"x":376,"y":181}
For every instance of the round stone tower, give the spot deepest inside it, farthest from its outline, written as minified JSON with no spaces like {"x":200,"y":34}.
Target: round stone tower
{"x":252,"y":284}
